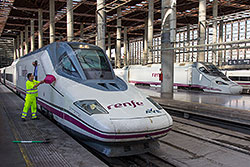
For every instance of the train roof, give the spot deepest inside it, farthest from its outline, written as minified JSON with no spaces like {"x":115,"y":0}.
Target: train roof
{"x":71,"y":44}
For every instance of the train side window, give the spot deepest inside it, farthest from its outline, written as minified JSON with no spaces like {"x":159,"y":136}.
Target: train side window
{"x":234,"y":78}
{"x":67,"y":65}
{"x":244,"y":78}
{"x":202,"y":69}
{"x":9,"y":77}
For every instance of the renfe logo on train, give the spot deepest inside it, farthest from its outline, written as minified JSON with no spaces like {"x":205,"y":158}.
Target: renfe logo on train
{"x":126,"y":104}
{"x":155,"y":75}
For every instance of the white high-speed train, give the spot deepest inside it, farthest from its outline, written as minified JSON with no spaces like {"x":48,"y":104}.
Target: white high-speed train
{"x":89,"y":100}
{"x":199,"y":76}
{"x":242,"y":77}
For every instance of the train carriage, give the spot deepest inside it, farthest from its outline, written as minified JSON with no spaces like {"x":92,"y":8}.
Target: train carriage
{"x":241,"y":77}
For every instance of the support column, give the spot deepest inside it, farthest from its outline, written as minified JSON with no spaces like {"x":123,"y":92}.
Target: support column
{"x":118,"y":38}
{"x":183,"y":44}
{"x":135,"y":53}
{"x":40,"y":28}
{"x":101,"y":24}
{"x":202,"y":29}
{"x":188,"y":43}
{"x":52,"y":21}
{"x":132,"y":54}
{"x":158,"y":48}
{"x":215,"y":15}
{"x":26,"y":44}
{"x":224,"y":40}
{"x":207,"y":38}
{"x":125,"y":46}
{"x":220,"y":41}
{"x":192,"y":58}
{"x":245,"y":50}
{"x":70,"y":21}
{"x":81,"y":31}
{"x":179,"y":58}
{"x":32,"y":36}
{"x":168,"y":15}
{"x":238,"y":50}
{"x":14,"y":49}
{"x":231,"y":52}
{"x":21,"y":44}
{"x":128,"y":54}
{"x":150,"y":30}
{"x":109,"y":45}
{"x":18,"y":46}
{"x":140,"y":53}
{"x":145,"y":43}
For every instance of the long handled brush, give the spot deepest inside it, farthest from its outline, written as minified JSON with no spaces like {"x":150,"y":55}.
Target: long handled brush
{"x":26,"y":142}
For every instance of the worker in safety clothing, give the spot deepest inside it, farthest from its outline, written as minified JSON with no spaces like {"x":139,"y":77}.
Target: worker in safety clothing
{"x":30,"y":99}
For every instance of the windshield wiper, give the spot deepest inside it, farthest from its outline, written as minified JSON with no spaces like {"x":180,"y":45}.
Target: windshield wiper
{"x":83,"y":57}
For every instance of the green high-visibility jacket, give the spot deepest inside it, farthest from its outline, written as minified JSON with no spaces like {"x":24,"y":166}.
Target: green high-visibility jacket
{"x":30,"y":90}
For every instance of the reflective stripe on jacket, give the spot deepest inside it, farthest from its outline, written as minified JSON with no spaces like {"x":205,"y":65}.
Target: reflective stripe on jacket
{"x":30,"y":90}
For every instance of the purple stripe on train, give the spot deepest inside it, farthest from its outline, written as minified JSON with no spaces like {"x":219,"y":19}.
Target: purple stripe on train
{"x":240,"y":83}
{"x":182,"y":85}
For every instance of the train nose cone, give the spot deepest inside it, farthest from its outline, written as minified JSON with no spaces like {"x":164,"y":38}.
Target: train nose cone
{"x":236,"y":89}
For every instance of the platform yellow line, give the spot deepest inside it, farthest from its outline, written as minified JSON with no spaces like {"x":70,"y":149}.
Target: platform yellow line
{"x":24,"y":154}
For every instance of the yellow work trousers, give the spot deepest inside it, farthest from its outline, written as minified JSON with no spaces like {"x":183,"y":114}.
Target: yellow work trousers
{"x":30,"y":101}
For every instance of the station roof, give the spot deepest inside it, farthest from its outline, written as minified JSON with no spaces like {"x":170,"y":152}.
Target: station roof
{"x":16,"y":14}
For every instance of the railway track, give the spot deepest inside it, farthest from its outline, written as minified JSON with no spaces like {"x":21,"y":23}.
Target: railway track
{"x":141,"y":160}
{"x":222,"y":133}
{"x":236,"y":146}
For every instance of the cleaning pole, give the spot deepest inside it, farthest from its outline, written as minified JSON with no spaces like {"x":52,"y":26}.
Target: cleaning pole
{"x":26,"y":142}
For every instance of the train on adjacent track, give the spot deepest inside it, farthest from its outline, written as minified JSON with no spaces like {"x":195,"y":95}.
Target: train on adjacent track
{"x":89,"y":100}
{"x":193,"y":75}
{"x":241,"y":77}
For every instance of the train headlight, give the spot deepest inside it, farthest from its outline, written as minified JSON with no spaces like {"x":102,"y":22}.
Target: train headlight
{"x":90,"y":107}
{"x":154,"y":103}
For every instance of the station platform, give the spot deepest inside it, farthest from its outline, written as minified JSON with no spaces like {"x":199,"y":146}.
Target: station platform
{"x":62,"y":150}
{"x":233,"y":108}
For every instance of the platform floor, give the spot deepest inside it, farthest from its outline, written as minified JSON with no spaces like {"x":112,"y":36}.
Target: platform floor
{"x":61,"y":151}
{"x":232,"y":101}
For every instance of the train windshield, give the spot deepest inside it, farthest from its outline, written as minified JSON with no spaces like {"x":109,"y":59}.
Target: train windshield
{"x":94,"y":64}
{"x":214,"y":71}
